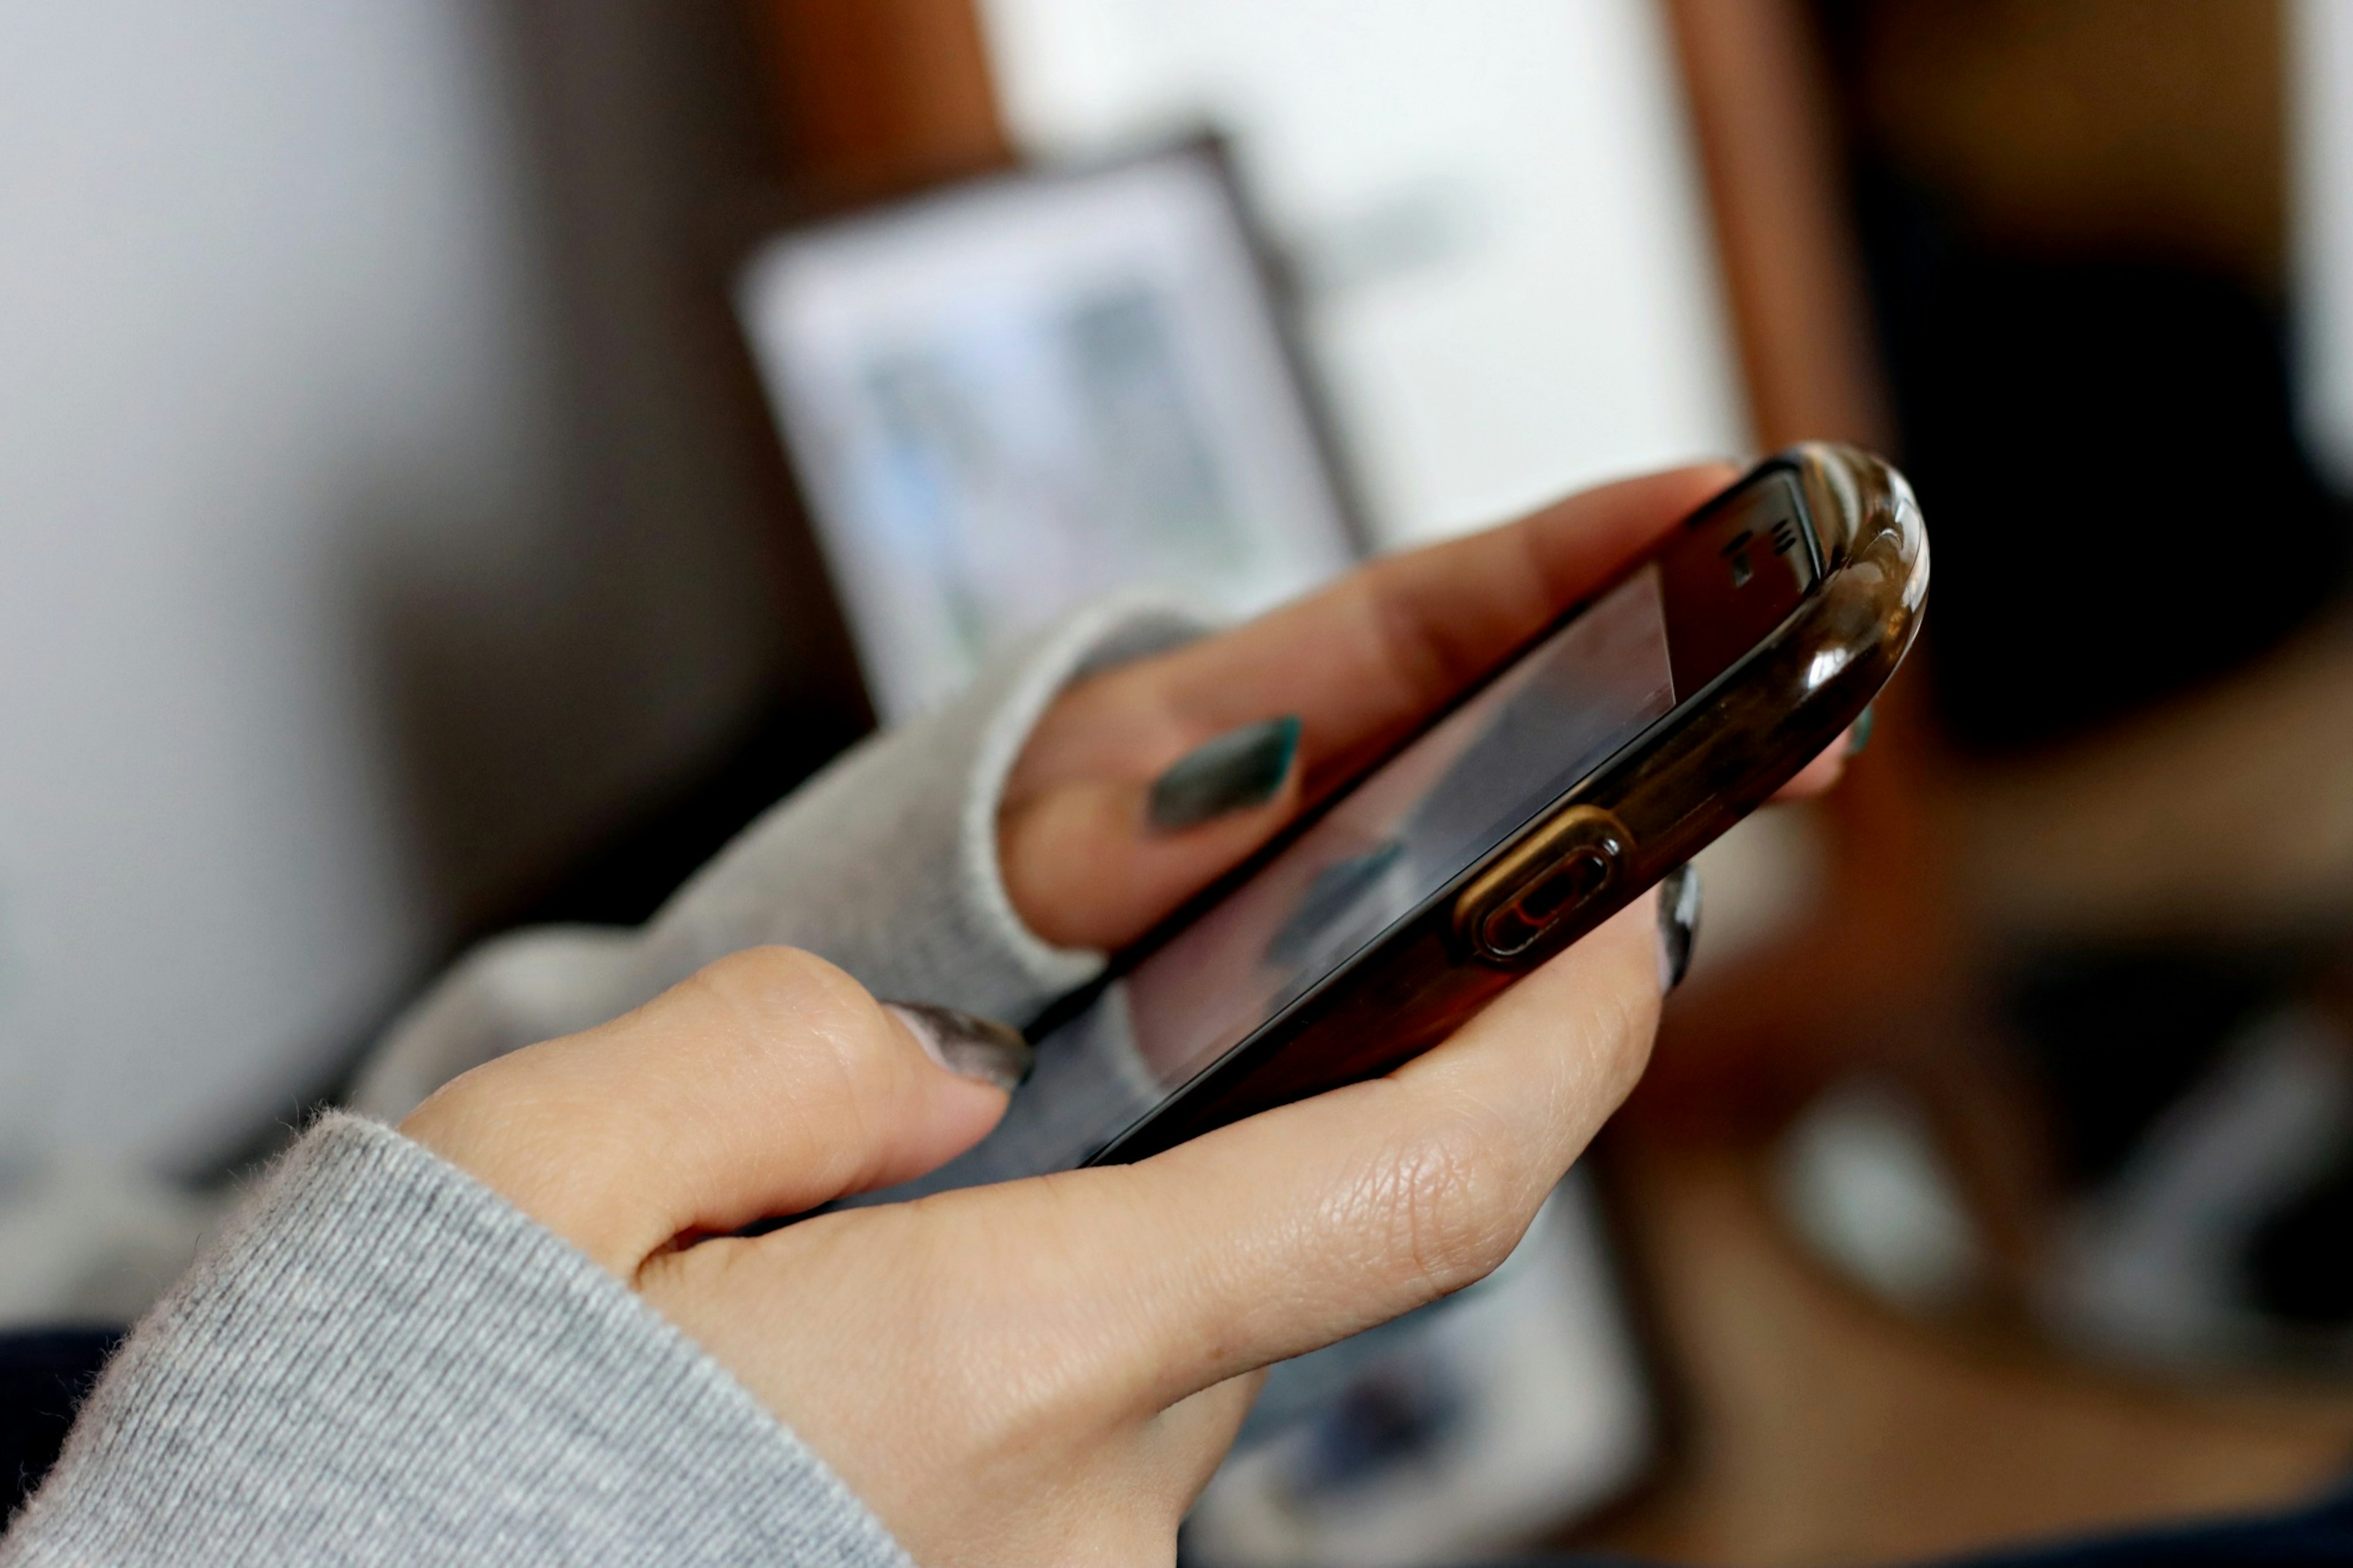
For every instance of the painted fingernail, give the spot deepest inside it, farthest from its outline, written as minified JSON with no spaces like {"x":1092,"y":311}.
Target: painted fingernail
{"x":967,"y":1044}
{"x":1232,"y":771}
{"x":1678,"y":925}
{"x":1858,"y":734}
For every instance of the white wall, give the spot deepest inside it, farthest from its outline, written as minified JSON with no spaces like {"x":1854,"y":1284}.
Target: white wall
{"x":2320,"y":142}
{"x":348,"y":570}
{"x":1512,"y":289}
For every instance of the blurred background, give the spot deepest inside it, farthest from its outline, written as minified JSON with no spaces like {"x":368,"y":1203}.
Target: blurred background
{"x":461,"y":461}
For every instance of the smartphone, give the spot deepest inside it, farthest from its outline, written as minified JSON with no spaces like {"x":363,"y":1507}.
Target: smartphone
{"x":1609,"y":749}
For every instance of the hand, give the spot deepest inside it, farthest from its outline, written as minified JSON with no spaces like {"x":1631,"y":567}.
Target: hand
{"x":1357,"y":666}
{"x":1047,"y":1370}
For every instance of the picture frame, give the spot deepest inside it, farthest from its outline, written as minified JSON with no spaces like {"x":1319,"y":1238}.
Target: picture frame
{"x":1004,"y":397}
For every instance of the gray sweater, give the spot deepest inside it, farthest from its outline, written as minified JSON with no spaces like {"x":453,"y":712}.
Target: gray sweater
{"x":382,"y":1360}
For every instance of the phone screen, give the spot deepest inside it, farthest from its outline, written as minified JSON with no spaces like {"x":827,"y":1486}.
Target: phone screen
{"x":1467,"y":784}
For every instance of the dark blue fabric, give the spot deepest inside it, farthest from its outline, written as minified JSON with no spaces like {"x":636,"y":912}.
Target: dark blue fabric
{"x":44,"y":1374}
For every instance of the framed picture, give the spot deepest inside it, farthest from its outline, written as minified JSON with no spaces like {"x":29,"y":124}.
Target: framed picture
{"x":1009,"y":396}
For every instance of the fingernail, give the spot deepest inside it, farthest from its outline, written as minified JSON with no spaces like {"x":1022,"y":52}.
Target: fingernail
{"x":1858,"y":734}
{"x":1232,"y":771}
{"x":1678,"y":925}
{"x":967,"y":1044}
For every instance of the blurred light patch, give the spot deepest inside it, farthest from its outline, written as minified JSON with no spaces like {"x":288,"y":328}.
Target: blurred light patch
{"x":1512,"y":289}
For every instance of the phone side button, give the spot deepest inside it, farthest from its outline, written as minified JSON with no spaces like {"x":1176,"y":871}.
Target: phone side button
{"x":1579,"y":875}
{"x":1508,"y":933}
{"x":1557,"y":869}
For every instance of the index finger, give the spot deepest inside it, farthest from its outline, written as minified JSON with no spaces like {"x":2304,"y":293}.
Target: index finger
{"x":1362,"y":661}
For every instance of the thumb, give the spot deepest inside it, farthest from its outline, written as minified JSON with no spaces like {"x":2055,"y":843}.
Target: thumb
{"x":766,"y":1084}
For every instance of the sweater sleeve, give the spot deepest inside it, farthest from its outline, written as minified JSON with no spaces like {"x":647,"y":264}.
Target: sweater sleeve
{"x":885,"y":864}
{"x":383,"y":1362}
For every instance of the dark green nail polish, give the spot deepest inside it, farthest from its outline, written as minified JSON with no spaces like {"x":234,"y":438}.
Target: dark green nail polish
{"x":1858,"y":734}
{"x":1232,"y":771}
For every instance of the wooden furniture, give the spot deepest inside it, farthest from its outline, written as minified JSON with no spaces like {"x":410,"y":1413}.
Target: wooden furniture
{"x":872,"y":97}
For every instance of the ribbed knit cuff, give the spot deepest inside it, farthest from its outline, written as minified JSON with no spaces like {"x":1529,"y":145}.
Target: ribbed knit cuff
{"x":885,"y":863}
{"x":385,"y":1363}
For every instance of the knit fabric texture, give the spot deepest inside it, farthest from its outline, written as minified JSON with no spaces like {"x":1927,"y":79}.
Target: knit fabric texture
{"x":383,"y":1362}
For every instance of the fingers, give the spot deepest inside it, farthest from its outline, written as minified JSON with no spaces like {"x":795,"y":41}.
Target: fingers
{"x":1294,"y":1228}
{"x":1359,"y":664}
{"x":1299,"y":1227}
{"x":1103,"y":1326}
{"x":1087,"y":870}
{"x":766,"y":1084}
{"x":1398,"y":638}
{"x":1365,"y":659}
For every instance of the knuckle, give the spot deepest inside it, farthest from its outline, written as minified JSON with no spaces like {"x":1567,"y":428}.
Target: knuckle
{"x":780,"y":1010}
{"x":1453,"y":1208}
{"x":768,"y":989}
{"x":784,"y":973}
